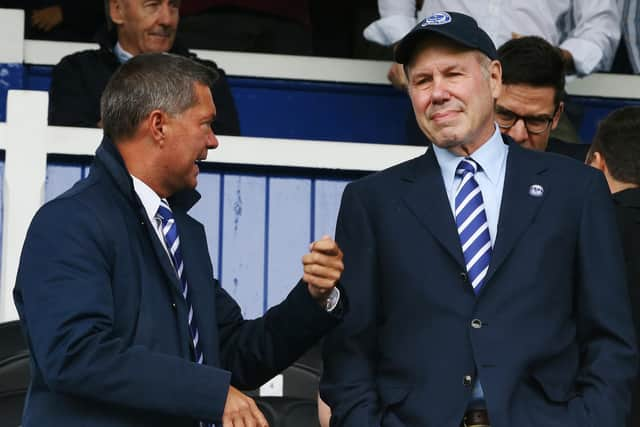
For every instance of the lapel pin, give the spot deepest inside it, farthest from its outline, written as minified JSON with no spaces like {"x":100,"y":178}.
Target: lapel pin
{"x":536,"y":190}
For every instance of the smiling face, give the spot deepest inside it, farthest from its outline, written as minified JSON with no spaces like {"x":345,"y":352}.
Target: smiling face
{"x":187,"y":138}
{"x":145,"y":26}
{"x":452,"y":91}
{"x":537,"y":103}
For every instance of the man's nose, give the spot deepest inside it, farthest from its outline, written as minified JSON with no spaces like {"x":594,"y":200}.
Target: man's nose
{"x":440,"y":92}
{"x":519,"y":131}
{"x":165,"y":14}
{"x":212,"y":141}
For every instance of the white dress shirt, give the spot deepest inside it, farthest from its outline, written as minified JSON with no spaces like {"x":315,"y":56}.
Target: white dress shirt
{"x":588,"y":29}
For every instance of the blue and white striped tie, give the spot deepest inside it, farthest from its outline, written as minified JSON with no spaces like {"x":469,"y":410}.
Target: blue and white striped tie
{"x":473,"y":227}
{"x":172,"y":239}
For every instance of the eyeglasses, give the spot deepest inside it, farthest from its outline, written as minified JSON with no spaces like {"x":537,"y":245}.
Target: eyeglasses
{"x":535,"y":124}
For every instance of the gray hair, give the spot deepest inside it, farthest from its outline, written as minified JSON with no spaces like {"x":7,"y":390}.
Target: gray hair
{"x":147,"y":82}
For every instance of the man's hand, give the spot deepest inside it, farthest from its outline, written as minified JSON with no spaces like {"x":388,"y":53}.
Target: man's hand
{"x":322,"y":267}
{"x":397,"y":76}
{"x":241,"y":411}
{"x":48,"y":18}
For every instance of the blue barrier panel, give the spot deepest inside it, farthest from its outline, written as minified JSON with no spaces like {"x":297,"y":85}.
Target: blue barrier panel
{"x":591,"y":110}
{"x":37,"y":77}
{"x":274,"y":108}
{"x":11,"y":77}
{"x":325,"y":111}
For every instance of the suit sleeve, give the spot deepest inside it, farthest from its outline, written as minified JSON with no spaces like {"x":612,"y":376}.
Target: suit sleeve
{"x":64,"y":297}
{"x":605,"y":329}
{"x":257,"y":350}
{"x":348,"y":382}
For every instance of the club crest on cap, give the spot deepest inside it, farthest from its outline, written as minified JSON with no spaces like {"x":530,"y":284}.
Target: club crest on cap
{"x":439,"y":18}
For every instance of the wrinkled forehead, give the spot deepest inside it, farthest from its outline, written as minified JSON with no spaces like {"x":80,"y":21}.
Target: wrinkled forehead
{"x":445,"y":50}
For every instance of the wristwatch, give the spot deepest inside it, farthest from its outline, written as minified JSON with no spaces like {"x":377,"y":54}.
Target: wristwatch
{"x":331,"y":301}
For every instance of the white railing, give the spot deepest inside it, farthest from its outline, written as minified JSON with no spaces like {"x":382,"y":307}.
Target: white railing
{"x":27,"y":140}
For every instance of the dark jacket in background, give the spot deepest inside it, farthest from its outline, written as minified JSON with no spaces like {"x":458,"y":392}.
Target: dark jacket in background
{"x":627,"y":203}
{"x":575,"y":151}
{"x":80,"y":78}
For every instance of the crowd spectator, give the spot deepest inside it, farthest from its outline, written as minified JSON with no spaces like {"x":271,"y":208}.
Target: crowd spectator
{"x":531,"y":103}
{"x":135,"y":27}
{"x":627,"y":59}
{"x":587,"y":31}
{"x":615,"y":151}
{"x":64,"y":20}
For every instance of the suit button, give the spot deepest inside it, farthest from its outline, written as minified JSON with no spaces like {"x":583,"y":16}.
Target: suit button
{"x":467,"y":380}
{"x":476,"y":323}
{"x":173,"y":305}
{"x":464,"y":276}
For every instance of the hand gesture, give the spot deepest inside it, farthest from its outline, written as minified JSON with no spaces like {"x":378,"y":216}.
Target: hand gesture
{"x":322,"y":267}
{"x":241,"y":411}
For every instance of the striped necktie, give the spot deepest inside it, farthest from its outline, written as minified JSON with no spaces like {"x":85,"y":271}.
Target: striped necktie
{"x":473,"y":227}
{"x":172,"y":239}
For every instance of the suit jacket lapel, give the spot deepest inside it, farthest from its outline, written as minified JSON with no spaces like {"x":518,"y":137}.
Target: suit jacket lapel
{"x":519,"y":207}
{"x":428,"y":201}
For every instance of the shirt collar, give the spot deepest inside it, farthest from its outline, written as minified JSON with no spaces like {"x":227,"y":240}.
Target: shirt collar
{"x":122,"y":55}
{"x":489,"y":156}
{"x":149,"y":199}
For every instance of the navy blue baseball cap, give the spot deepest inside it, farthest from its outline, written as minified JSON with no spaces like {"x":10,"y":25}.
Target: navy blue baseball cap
{"x":458,"y":27}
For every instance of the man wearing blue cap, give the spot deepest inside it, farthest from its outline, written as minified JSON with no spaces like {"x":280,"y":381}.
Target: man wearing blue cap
{"x":477,"y":298}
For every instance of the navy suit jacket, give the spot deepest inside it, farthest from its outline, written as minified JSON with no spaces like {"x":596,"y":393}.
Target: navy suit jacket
{"x":550,"y":333}
{"x":107,"y":326}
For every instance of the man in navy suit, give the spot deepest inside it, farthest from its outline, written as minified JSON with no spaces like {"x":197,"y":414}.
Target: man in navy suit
{"x":486,"y":284}
{"x":115,"y":290}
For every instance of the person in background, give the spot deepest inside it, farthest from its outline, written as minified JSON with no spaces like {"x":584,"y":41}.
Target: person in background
{"x":125,"y":322}
{"x":587,"y":32}
{"x":137,"y":26}
{"x":615,"y":151}
{"x":63,"y":20}
{"x":531,"y":102}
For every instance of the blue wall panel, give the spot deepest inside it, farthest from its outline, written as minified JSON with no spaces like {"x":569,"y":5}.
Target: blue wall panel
{"x":289,"y":234}
{"x":328,"y":193}
{"x":243,"y":232}
{"x":207,"y":211}
{"x":60,"y":178}
{"x":325,"y":111}
{"x":1,"y":201}
{"x":11,"y":77}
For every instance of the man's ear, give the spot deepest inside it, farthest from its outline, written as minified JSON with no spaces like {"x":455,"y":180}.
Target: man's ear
{"x":116,"y":12}
{"x":596,"y":160}
{"x":156,"y":122}
{"x":556,"y":117}
{"x":495,"y":78}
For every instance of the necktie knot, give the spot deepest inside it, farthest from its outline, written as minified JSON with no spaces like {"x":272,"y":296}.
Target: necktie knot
{"x":164,"y":213}
{"x":467,"y":165}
